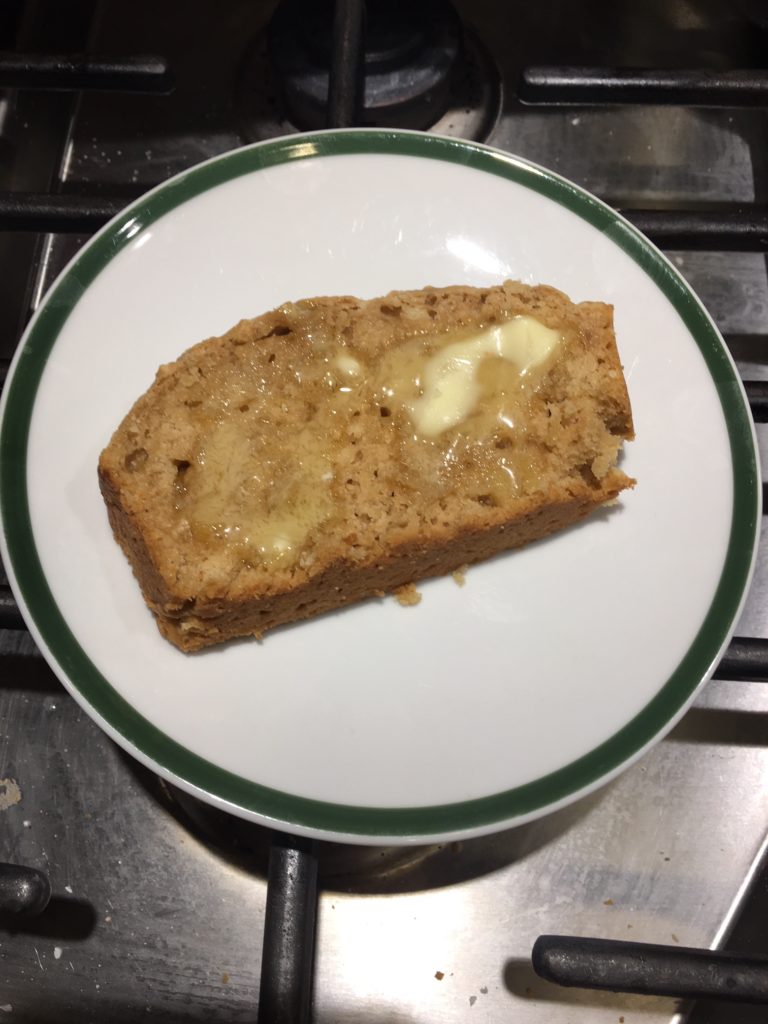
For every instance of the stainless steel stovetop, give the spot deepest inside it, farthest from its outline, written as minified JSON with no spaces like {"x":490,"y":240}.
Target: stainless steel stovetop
{"x":152,"y":919}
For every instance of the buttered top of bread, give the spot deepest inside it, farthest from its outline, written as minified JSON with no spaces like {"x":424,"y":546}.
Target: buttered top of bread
{"x":336,"y":426}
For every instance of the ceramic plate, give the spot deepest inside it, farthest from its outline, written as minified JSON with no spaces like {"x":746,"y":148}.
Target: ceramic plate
{"x":551,"y":670}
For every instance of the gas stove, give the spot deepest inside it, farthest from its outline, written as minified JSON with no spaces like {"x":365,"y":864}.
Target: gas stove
{"x":158,"y":904}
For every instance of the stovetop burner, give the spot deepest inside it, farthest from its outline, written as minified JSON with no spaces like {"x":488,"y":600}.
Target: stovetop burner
{"x":370,"y":869}
{"x":422,"y":69}
{"x":410,"y":51}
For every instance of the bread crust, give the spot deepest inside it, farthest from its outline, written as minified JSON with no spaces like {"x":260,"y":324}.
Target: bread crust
{"x":199,"y":601}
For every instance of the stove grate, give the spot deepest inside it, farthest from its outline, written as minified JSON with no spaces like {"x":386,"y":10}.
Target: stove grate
{"x":565,"y":86}
{"x":74,"y":72}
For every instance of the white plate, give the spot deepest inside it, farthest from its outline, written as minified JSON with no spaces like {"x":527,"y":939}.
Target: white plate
{"x":488,"y":705}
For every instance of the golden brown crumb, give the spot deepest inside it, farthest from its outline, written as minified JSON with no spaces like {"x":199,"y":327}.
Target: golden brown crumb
{"x":459,"y":575}
{"x":408,"y":595}
{"x":439,"y":975}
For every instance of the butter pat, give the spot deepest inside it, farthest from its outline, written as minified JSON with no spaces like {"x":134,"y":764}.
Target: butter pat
{"x":450,"y":387}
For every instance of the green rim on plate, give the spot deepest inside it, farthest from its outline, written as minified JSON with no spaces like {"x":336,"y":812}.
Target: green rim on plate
{"x":73,"y":664}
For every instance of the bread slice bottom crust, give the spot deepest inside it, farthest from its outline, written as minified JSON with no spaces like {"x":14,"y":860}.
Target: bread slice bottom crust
{"x":195,"y":624}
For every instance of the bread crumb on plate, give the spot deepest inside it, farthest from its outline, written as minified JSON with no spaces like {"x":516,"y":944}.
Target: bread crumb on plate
{"x":408,"y":595}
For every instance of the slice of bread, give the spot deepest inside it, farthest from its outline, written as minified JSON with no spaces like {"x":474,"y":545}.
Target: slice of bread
{"x":335,"y":449}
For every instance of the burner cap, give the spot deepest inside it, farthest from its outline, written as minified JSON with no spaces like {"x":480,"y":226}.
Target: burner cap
{"x":411,"y":51}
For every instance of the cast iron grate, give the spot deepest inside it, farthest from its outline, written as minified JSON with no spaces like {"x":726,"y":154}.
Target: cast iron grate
{"x":73,"y":72}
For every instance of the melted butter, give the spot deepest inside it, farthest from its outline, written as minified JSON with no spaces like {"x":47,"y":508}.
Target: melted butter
{"x":451,"y":390}
{"x":463,"y":403}
{"x":451,"y":410}
{"x":348,"y":366}
{"x":263,"y":501}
